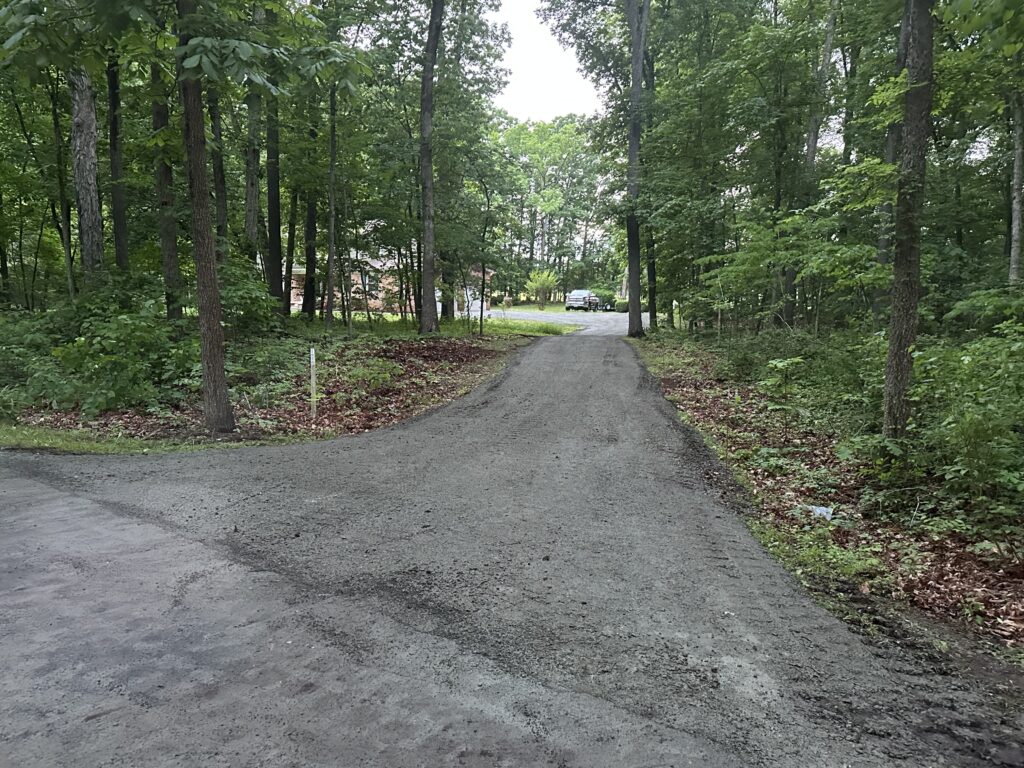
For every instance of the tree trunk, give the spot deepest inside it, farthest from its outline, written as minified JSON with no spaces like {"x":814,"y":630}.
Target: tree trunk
{"x":892,"y":149}
{"x":5,"y":272}
{"x":652,"y":281}
{"x":428,"y":303}
{"x":637,"y":13}
{"x":821,"y":82}
{"x":293,"y":220}
{"x":253,"y":103}
{"x":83,"y":162}
{"x":62,"y":188}
{"x":118,"y":204}
{"x":216,"y":403}
{"x":332,"y":245}
{"x":167,"y":221}
{"x":273,"y":257}
{"x":309,"y":243}
{"x":909,"y":202}
{"x":1017,"y":190}
{"x":220,"y":183}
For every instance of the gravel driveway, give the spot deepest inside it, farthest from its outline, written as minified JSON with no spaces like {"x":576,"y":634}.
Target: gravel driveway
{"x":534,"y":575}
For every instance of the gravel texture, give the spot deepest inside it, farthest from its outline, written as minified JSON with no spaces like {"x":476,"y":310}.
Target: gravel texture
{"x":533,"y":575}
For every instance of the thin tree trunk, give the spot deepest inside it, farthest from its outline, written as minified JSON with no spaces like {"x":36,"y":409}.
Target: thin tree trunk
{"x":1017,"y":190}
{"x":293,"y":220}
{"x":637,"y":13}
{"x":849,"y":108}
{"x":821,"y":82}
{"x":346,"y":268}
{"x":83,"y":162}
{"x":63,"y":231}
{"x":332,"y":245}
{"x":253,"y":104}
{"x":216,"y":403}
{"x":118,"y":203}
{"x":167,"y":221}
{"x":891,"y":151}
{"x":428,"y":303}
{"x":909,"y":202}
{"x":652,"y":281}
{"x":483,"y":261}
{"x":62,"y":188}
{"x":220,"y":182}
{"x":309,"y":243}
{"x":5,"y":272}
{"x":273,"y":258}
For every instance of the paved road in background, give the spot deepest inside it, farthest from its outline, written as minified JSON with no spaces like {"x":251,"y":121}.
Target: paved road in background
{"x":536,"y":575}
{"x":594,"y":323}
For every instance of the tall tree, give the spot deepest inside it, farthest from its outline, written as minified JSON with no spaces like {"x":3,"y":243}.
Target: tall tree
{"x":167,"y":220}
{"x":332,"y":205}
{"x":428,"y":303}
{"x":83,"y":163}
{"x":917,"y":105}
{"x":1017,"y":185}
{"x":118,"y":201}
{"x":220,"y":181}
{"x":637,"y":17}
{"x":216,"y":404}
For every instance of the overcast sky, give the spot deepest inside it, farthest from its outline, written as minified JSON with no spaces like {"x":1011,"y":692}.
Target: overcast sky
{"x":543,"y":80}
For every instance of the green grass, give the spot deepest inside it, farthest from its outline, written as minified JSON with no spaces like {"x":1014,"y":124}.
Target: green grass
{"x":78,"y":441}
{"x":391,"y":326}
{"x":556,"y":306}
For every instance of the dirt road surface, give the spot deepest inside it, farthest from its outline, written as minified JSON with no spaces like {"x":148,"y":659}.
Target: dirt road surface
{"x":535,"y":575}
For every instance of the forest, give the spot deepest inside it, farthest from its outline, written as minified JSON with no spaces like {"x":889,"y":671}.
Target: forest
{"x":817,"y":203}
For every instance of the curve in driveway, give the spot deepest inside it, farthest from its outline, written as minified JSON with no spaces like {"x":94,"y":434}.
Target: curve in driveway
{"x":533,"y":575}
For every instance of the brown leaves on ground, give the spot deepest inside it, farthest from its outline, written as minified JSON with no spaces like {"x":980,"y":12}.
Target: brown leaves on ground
{"x":789,"y":467}
{"x":371,"y":385}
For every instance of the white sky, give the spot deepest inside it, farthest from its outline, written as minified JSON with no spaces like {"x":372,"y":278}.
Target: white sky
{"x":543,"y":80}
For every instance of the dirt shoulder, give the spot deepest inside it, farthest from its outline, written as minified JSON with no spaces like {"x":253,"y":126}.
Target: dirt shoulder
{"x":788,"y":478}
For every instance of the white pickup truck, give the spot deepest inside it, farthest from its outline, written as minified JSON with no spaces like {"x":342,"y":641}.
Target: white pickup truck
{"x":582,"y":299}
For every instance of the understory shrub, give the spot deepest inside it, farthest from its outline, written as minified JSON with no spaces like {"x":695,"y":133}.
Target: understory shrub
{"x":961,"y":469}
{"x":119,"y":361}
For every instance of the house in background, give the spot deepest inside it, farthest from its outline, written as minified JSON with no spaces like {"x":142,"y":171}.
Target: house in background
{"x":377,"y":288}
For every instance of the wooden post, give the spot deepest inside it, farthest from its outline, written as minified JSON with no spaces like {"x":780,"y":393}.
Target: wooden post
{"x":312,"y":383}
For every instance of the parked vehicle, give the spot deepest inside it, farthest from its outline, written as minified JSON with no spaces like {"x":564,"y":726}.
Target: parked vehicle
{"x":582,"y":299}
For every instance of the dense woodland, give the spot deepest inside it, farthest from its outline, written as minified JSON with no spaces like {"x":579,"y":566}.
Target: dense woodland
{"x":829,"y":190}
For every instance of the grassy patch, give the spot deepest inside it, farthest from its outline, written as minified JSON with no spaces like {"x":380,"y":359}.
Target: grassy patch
{"x":557,"y":306}
{"x":19,"y":436}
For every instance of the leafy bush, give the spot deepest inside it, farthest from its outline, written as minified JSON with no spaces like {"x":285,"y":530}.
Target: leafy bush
{"x":118,"y":361}
{"x":247,"y":308}
{"x":622,"y":305}
{"x":968,"y":428}
{"x":985,"y":310}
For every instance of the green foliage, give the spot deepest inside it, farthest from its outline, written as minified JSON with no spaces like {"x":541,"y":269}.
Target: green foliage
{"x":622,"y":305}
{"x":812,"y":553}
{"x":247,"y":308}
{"x":541,"y":285}
{"x":961,"y":471}
{"x":118,"y":361}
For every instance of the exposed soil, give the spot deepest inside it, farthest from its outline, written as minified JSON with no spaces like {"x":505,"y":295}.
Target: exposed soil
{"x":536,"y":574}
